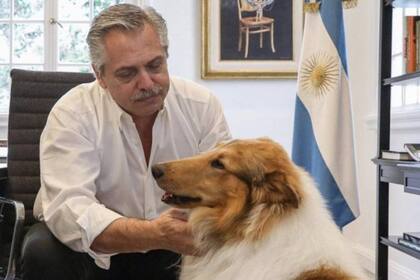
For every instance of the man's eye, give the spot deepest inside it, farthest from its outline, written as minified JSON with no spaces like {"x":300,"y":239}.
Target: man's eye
{"x":155,"y":66}
{"x":125,"y":75}
{"x":217,"y":164}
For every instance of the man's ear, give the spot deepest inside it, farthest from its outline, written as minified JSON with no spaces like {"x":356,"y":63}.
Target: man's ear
{"x":99,"y":77}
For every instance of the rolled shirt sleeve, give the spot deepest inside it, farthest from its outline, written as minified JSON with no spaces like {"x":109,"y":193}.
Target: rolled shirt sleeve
{"x":93,"y":221}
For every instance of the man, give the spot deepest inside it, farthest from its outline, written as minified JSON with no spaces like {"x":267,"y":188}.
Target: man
{"x":98,"y":196}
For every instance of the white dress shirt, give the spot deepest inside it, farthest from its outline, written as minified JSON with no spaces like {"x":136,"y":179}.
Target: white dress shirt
{"x":93,"y":168}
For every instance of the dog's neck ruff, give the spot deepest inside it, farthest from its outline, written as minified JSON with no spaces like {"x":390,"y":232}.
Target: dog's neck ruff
{"x":250,"y":226}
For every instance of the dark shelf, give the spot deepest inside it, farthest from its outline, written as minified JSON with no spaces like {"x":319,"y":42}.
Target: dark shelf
{"x":410,"y":78}
{"x":397,"y":163}
{"x":409,"y":166}
{"x":392,"y":241}
{"x":405,"y":173}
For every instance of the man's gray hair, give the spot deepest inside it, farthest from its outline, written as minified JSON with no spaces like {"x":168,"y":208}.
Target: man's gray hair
{"x":124,"y":17}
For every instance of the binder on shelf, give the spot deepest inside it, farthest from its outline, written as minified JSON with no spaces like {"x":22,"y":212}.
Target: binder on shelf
{"x":413,"y":150}
{"x":413,"y":237}
{"x":412,"y":61}
{"x":417,"y":49}
{"x":396,"y":155}
{"x":409,"y":244}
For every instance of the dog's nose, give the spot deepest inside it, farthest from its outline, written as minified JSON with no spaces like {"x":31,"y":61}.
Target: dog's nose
{"x":157,"y":172}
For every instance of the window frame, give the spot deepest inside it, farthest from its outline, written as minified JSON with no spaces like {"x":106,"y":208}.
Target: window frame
{"x":402,"y":95}
{"x":51,"y":59}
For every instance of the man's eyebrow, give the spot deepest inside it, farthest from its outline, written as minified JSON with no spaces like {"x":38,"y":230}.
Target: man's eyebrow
{"x":156,"y":59}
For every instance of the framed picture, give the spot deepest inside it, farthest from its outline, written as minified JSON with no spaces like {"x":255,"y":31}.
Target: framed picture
{"x":244,"y":39}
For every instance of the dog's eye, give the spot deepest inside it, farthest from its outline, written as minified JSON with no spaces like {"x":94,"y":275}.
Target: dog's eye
{"x":217,"y":164}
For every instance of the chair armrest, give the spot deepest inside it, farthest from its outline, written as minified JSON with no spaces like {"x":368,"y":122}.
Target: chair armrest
{"x":3,"y":169}
{"x":12,"y":217}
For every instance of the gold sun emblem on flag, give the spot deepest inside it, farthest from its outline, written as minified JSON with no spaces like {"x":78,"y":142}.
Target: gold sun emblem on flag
{"x":319,"y":73}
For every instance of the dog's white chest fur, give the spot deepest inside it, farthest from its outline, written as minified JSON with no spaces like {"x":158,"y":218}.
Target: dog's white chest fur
{"x":305,"y":240}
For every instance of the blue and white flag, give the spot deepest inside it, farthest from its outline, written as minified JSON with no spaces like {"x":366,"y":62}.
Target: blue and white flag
{"x":323,"y":131}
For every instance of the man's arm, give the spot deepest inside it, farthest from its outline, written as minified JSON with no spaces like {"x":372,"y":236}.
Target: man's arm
{"x":170,"y":231}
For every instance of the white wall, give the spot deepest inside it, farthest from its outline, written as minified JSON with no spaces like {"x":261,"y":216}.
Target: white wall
{"x":362,"y":49}
{"x":265,"y":108}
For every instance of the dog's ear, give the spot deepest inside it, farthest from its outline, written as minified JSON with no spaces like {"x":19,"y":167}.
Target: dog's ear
{"x":253,"y":173}
{"x":282,"y":178}
{"x":283,"y":188}
{"x":272,"y":182}
{"x":272,"y":187}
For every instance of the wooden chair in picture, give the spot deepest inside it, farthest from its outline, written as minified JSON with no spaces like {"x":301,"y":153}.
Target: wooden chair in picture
{"x":255,"y":24}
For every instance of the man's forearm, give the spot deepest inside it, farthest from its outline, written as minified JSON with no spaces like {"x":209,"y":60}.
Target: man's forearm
{"x":127,"y":235}
{"x":170,"y":231}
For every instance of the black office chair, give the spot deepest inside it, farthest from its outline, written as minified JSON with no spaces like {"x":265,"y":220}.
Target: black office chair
{"x":32,"y":95}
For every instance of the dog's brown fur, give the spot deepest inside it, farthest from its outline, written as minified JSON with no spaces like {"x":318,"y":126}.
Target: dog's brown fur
{"x":229,"y":194}
{"x":325,"y":273}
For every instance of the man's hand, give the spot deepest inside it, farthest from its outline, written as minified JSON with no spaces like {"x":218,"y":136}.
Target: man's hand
{"x":175,"y":232}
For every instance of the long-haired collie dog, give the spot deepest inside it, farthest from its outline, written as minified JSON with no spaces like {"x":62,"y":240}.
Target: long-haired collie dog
{"x":255,"y":215}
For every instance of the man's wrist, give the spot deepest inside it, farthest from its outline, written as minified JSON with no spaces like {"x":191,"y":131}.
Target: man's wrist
{"x":155,"y":237}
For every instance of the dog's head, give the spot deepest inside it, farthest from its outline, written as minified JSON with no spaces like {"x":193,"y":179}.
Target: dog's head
{"x":233,"y":181}
{"x":258,"y":171}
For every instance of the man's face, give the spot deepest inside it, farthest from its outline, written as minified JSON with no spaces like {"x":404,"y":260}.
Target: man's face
{"x":136,"y":72}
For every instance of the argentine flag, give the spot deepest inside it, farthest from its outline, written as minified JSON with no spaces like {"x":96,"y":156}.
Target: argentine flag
{"x":323,"y":130}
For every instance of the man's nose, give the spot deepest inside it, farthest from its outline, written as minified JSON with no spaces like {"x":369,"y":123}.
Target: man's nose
{"x":144,"y":80}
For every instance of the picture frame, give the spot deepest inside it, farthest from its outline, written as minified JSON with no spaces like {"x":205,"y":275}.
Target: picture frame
{"x":223,"y":51}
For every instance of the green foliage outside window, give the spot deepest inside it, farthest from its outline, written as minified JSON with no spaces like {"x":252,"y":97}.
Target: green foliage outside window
{"x":28,"y":38}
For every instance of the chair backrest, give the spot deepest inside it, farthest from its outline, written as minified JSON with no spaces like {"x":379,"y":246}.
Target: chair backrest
{"x":32,"y":95}
{"x":244,"y":6}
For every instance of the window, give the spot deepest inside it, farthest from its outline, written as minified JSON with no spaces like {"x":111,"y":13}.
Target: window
{"x":45,"y":35}
{"x":403,"y":96}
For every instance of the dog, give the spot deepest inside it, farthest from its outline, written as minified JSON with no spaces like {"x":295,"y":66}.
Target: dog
{"x":255,"y":215}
